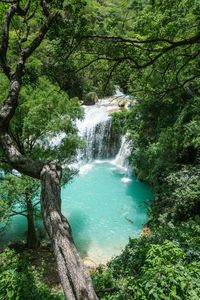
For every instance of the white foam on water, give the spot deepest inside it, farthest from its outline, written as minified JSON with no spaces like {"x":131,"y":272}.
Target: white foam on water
{"x":101,"y":161}
{"x":126,"y":180}
{"x":84,"y":169}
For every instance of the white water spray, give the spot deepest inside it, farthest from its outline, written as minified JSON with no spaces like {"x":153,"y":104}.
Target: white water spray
{"x":101,"y":142}
{"x":96,"y":130}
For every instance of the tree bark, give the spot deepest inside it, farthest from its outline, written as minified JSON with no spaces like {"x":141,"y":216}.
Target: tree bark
{"x":74,"y":275}
{"x":32,"y":241}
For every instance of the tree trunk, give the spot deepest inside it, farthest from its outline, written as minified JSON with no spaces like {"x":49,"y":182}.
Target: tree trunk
{"x":74,"y":275}
{"x":32,"y":241}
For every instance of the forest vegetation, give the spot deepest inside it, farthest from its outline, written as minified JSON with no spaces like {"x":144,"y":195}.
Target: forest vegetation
{"x":54,"y":54}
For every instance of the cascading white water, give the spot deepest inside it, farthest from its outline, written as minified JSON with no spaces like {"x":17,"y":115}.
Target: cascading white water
{"x":96,"y":130}
{"x":100,"y":141}
{"x":121,"y":160}
{"x":122,"y":157}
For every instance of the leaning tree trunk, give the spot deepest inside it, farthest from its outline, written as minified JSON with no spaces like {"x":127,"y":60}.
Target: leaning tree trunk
{"x":75,"y":278}
{"x":74,"y":275}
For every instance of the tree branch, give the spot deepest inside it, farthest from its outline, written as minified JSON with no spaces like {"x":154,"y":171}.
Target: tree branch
{"x":126,"y":40}
{"x":14,"y":213}
{"x":108,"y":290}
{"x":185,"y":64}
{"x":36,"y":204}
{"x":22,"y":12}
{"x":19,"y":162}
{"x":89,"y":63}
{"x":45,"y":8}
{"x":191,"y":40}
{"x":5,"y":40}
{"x":10,"y":104}
{"x":26,"y":53}
{"x":161,"y":51}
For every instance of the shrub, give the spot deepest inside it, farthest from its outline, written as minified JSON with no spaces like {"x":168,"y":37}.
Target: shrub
{"x":20,"y":281}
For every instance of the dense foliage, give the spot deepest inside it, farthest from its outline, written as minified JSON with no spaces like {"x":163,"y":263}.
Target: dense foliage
{"x":163,"y":265}
{"x":164,"y":127}
{"x":146,"y":47}
{"x":20,"y":281}
{"x":164,"y":122}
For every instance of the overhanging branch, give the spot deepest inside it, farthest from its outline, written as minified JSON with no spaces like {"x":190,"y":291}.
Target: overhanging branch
{"x":191,"y":40}
{"x":19,"y":162}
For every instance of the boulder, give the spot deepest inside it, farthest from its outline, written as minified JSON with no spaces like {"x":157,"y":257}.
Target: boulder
{"x":90,"y":98}
{"x":122,"y":103}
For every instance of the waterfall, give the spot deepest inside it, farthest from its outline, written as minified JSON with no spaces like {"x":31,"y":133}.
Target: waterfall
{"x":122,"y":158}
{"x":96,"y":130}
{"x":101,"y":142}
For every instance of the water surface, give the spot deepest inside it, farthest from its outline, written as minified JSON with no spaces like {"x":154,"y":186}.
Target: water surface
{"x":105,"y":209}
